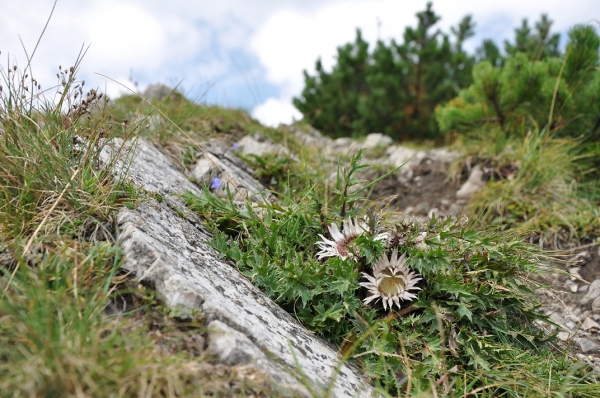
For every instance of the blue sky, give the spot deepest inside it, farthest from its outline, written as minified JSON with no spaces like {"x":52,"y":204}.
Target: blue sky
{"x":237,"y":53}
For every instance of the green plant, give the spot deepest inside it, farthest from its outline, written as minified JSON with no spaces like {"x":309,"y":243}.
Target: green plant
{"x":472,"y":327}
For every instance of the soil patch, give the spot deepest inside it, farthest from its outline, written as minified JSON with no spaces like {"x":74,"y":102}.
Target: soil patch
{"x":420,"y":189}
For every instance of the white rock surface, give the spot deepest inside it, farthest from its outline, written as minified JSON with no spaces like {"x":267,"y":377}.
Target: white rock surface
{"x":588,"y":346}
{"x":259,"y":146}
{"x":151,"y":170}
{"x":376,"y":139}
{"x":473,"y":184}
{"x":235,"y":348}
{"x":399,"y":155}
{"x":218,"y":161}
{"x":596,"y":305}
{"x":311,"y":137}
{"x":589,"y":323}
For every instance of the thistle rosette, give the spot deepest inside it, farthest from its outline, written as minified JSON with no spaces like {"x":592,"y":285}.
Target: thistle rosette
{"x":341,"y":245}
{"x":391,"y":282}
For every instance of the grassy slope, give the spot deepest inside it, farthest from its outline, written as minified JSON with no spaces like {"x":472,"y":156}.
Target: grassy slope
{"x":70,"y":323}
{"x":63,"y":329}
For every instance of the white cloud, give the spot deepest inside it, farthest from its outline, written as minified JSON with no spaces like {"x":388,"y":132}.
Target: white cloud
{"x":275,"y":111}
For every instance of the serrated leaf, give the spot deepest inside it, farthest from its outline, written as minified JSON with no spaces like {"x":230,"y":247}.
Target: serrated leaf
{"x":463,"y":311}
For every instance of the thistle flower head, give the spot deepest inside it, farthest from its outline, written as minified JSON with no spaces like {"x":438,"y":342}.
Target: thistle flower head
{"x":391,"y":281}
{"x":340,"y":245}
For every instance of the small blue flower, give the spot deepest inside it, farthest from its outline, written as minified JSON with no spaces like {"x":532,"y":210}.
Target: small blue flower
{"x":216,"y":183}
{"x":235,"y":146}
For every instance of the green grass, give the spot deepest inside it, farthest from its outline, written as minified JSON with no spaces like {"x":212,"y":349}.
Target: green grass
{"x":549,"y":196}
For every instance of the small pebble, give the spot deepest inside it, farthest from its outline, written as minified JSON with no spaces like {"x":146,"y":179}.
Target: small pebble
{"x":588,"y":346}
{"x":574,"y":288}
{"x":589,"y":323}
{"x":596,"y":305}
{"x":593,"y":289}
{"x":564,"y":336}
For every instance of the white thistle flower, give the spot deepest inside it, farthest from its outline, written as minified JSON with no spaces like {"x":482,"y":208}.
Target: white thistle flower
{"x":339,"y":245}
{"x":391,"y":281}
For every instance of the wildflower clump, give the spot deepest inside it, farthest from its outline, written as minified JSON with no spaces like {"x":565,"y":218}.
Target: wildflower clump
{"x":457,"y":310}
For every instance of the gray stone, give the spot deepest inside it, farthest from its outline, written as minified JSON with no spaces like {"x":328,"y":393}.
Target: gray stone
{"x":556,"y":318}
{"x":473,"y":184}
{"x":400,"y":155}
{"x":563,"y":336}
{"x":573,"y":288}
{"x":441,"y":155}
{"x":151,"y":170}
{"x":455,"y":209}
{"x":588,"y":346}
{"x":434,"y":212}
{"x":376,"y":139}
{"x":218,"y":161}
{"x":596,"y":305}
{"x":593,"y":290}
{"x":235,"y":348}
{"x":259,"y":146}
{"x":157,"y":92}
{"x":589,"y":323}
{"x":311,"y":136}
{"x":341,"y":143}
{"x":172,"y":255}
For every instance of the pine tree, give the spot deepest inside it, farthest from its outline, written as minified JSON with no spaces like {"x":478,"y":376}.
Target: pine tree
{"x":394,"y":89}
{"x":489,"y":51}
{"x":560,"y":93}
{"x":329,"y":101}
{"x":386,"y":80}
{"x":538,"y":45}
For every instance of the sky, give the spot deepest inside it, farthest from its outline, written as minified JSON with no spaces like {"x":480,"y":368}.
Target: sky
{"x":246,"y":54}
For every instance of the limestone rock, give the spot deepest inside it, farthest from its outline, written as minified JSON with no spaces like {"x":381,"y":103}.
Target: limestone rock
{"x":157,"y":92}
{"x":472,"y":185}
{"x":377,"y":139}
{"x":596,"y":305}
{"x":259,"y":146}
{"x":150,"y":170}
{"x":593,"y":290}
{"x":216,"y":159}
{"x":172,"y":255}
{"x":588,"y":346}
{"x":399,"y":155}
{"x":311,"y":137}
{"x":563,"y":336}
{"x":235,"y":348}
{"x":341,"y":144}
{"x":589,"y":323}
